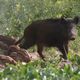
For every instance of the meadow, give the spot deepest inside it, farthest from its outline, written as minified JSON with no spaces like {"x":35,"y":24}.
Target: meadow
{"x":16,"y":15}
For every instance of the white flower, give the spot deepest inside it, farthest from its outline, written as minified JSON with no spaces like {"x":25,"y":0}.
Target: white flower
{"x":41,"y":73}
{"x":23,"y":63}
{"x":53,"y":74}
{"x":10,"y":68}
{"x":34,"y":79}
{"x":37,"y":70}
{"x":79,"y":72}
{"x":7,"y":29}
{"x":44,"y":78}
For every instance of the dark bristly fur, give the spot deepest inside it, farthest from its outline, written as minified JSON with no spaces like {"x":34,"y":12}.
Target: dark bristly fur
{"x":49,"y":32}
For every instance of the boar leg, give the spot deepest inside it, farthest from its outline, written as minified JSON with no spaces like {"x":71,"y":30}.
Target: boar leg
{"x":39,"y":50}
{"x":64,"y":50}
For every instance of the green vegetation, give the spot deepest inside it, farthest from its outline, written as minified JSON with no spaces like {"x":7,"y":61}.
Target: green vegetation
{"x":40,"y":70}
{"x":15,"y":15}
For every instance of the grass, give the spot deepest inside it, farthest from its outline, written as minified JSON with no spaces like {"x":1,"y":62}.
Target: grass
{"x":40,"y":70}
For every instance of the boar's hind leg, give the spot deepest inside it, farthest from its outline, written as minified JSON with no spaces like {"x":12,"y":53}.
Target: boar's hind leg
{"x":39,"y":50}
{"x":64,"y":50}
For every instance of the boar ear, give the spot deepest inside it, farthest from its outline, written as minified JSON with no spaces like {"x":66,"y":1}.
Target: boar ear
{"x":76,"y":20}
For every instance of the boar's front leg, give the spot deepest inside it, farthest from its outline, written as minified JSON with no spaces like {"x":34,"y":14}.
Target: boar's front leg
{"x":39,"y":50}
{"x":64,"y":49}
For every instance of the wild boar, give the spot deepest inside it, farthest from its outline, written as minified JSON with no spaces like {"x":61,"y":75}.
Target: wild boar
{"x":50,"y":33}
